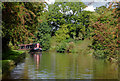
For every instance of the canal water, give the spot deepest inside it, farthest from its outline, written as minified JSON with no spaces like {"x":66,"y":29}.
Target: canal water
{"x":64,"y":66}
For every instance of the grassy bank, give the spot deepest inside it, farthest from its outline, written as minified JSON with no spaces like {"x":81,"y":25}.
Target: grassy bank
{"x":81,"y":47}
{"x":10,"y":59}
{"x":71,"y":46}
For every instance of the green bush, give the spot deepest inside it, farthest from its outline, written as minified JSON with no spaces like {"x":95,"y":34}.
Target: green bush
{"x":9,"y":55}
{"x":66,"y":46}
{"x":61,"y":47}
{"x":101,"y":54}
{"x":69,"y":40}
{"x":70,"y":47}
{"x":6,"y":65}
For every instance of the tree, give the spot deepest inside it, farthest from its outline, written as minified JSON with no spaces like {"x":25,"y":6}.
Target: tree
{"x":70,"y":13}
{"x":43,"y":34}
{"x":18,"y":21}
{"x":106,"y":31}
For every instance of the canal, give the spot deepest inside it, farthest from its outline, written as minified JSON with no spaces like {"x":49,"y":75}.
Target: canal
{"x":51,"y":65}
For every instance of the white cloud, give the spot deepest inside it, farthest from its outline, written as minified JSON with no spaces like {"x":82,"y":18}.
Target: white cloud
{"x":90,"y":8}
{"x":50,"y":1}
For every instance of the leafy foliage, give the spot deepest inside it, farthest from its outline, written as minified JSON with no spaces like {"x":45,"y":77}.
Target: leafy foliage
{"x":17,"y":19}
{"x":61,"y":47}
{"x":43,"y":35}
{"x":19,"y":22}
{"x":62,"y":33}
{"x":71,"y":14}
{"x":106,"y":31}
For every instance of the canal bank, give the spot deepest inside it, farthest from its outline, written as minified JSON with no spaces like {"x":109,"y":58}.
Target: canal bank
{"x":9,"y":60}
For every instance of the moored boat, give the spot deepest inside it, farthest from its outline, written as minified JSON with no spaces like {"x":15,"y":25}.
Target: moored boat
{"x":36,"y":48}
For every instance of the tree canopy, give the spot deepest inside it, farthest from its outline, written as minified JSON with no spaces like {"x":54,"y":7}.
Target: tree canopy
{"x":71,"y":14}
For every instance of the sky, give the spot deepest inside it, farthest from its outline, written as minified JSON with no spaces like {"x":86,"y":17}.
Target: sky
{"x":91,"y":7}
{"x":94,"y":5}
{"x":50,"y":1}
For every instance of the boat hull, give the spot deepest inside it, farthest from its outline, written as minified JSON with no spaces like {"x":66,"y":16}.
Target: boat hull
{"x":36,"y":50}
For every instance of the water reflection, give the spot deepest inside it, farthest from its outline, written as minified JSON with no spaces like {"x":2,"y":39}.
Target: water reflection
{"x":37,"y":57}
{"x":64,"y":66}
{"x":105,"y":70}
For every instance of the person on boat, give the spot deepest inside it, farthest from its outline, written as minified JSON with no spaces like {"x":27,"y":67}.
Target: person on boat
{"x":37,"y":47}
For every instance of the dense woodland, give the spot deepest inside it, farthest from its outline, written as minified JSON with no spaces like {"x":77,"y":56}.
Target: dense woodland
{"x":65,"y":23}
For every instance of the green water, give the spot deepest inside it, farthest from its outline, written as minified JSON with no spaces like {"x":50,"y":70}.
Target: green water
{"x":64,"y":66}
